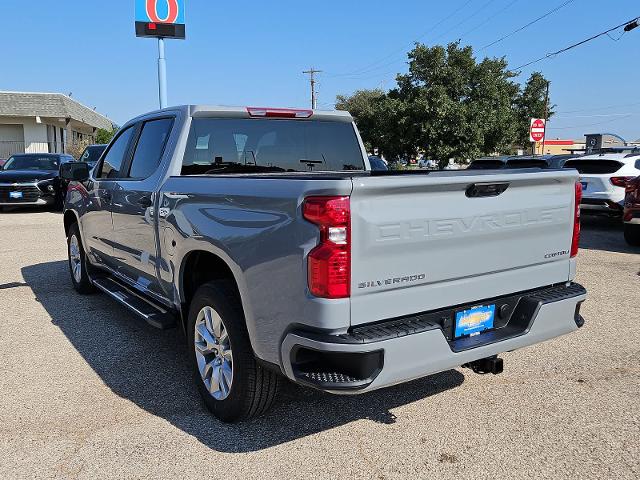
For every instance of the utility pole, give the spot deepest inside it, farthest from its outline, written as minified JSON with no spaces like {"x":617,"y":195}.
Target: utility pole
{"x":312,"y":79}
{"x":546,"y":115}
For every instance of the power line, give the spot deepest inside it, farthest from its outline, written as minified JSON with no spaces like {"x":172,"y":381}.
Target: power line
{"x":589,"y":124}
{"x":595,"y":109}
{"x":628,"y":23}
{"x":595,"y":116}
{"x":550,"y":12}
{"x":492,"y":17}
{"x":368,"y":67}
{"x":369,"y":73}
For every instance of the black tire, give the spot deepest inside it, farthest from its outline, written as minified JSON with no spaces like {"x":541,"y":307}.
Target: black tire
{"x":632,"y":234}
{"x":58,"y":204}
{"x":82,"y":284}
{"x":253,"y":388}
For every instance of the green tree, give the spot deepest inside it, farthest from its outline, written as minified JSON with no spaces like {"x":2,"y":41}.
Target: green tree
{"x":380,"y":119}
{"x":105,"y":136}
{"x":458,"y":108}
{"x":448,"y":105}
{"x":531,"y":104}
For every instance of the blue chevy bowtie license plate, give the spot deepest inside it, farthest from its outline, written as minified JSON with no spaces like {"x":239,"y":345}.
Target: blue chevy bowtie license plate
{"x":15,"y":195}
{"x":474,"y":320}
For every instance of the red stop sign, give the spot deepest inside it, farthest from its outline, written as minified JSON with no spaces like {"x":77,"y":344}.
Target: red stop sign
{"x":536,"y":132}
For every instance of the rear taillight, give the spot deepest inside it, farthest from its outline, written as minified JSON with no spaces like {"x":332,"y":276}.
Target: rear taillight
{"x":620,"y":181}
{"x":329,"y":264}
{"x":278,"y":112}
{"x":576,"y":220}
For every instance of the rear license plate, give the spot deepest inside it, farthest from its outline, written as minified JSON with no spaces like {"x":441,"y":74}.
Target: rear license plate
{"x":584,"y":185}
{"x":474,"y":320}
{"x":15,"y":194}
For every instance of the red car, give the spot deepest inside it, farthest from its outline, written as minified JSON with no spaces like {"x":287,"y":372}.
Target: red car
{"x":631,"y":214}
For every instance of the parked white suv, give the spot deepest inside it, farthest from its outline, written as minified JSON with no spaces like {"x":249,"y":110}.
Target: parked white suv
{"x":603,"y":179}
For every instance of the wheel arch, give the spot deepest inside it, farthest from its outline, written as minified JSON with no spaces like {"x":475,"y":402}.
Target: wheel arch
{"x":70,"y":217}
{"x":201,"y":266}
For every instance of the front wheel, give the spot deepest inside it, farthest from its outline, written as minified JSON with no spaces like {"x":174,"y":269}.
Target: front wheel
{"x":232,"y":384}
{"x":78,"y":267}
{"x":632,"y":234}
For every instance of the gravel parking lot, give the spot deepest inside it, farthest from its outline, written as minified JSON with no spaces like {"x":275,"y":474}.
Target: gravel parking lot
{"x":88,"y":390}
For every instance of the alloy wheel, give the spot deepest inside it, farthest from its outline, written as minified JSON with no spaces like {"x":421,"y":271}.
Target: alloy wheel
{"x":213,"y":353}
{"x":74,"y":259}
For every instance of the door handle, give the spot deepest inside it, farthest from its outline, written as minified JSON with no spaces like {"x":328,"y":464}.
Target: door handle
{"x":106,"y":195}
{"x":145,"y":202}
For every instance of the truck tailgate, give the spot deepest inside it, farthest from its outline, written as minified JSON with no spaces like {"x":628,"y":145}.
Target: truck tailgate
{"x":423,"y":242}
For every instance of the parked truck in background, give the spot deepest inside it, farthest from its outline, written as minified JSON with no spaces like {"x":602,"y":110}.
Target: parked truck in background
{"x":266,"y":237}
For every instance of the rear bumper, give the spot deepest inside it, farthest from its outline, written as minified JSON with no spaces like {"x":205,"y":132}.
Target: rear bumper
{"x":400,"y":350}
{"x":632,"y":217}
{"x":40,"y":201}
{"x":602,"y":205}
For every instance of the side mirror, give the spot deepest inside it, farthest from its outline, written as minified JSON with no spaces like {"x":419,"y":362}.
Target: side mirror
{"x":74,"y":171}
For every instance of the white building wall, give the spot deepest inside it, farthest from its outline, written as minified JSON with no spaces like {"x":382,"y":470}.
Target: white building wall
{"x":35,"y":134}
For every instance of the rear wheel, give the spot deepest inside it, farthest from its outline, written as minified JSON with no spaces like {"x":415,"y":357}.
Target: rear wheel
{"x":232,"y":384}
{"x":632,"y":234}
{"x":78,"y":267}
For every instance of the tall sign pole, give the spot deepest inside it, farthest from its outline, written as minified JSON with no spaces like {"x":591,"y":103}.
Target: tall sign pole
{"x":162,"y":74}
{"x":160,"y":19}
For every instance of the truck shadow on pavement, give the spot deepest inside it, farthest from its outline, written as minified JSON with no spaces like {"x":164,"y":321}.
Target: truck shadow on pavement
{"x":604,"y":233}
{"x":149,"y":367}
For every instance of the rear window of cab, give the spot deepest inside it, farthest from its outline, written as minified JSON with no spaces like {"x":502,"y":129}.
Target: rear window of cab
{"x":223,"y":145}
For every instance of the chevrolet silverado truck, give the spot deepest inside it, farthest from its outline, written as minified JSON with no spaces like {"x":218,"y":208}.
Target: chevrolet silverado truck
{"x":266,"y":237}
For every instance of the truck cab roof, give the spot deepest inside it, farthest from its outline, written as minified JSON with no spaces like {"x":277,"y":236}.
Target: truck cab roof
{"x":222,"y":111}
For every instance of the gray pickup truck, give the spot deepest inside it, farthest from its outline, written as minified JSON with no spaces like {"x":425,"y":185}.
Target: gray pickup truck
{"x":266,"y":237}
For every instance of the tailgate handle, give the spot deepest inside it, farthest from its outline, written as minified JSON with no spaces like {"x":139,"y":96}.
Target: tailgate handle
{"x":486,"y":189}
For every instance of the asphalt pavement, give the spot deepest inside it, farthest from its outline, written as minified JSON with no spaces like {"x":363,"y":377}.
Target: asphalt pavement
{"x":89,"y":391}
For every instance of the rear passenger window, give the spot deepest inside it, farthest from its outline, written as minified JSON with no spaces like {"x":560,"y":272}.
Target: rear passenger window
{"x":153,"y":139}
{"x":115,"y":156}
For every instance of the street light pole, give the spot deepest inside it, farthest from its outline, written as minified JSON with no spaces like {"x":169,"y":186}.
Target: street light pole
{"x":162,"y":74}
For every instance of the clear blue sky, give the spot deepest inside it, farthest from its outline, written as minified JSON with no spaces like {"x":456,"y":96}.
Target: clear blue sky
{"x":253,"y":52}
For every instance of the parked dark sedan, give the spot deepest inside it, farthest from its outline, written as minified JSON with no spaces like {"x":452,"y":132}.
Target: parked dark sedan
{"x":92,"y":154}
{"x":33,"y":179}
{"x":377,"y":163}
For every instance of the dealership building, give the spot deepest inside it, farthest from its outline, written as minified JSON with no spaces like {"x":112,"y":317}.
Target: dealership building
{"x":45,"y":123}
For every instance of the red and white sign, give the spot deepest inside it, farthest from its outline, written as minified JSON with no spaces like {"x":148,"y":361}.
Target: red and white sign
{"x":536,"y":131}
